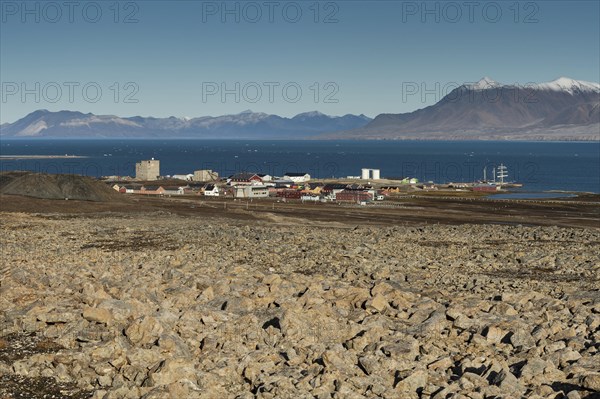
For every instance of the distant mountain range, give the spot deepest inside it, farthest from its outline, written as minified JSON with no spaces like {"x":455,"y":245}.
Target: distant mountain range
{"x":564,"y":109}
{"x":246,"y":125}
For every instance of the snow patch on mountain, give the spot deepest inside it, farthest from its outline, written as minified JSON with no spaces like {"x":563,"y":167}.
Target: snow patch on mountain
{"x":569,"y":85}
{"x":98,"y":119}
{"x":311,"y":114}
{"x":561,"y":84}
{"x":34,"y":129}
{"x":484,"y":84}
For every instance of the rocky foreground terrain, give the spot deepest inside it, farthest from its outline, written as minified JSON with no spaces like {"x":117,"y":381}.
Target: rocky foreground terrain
{"x":163,"y":306}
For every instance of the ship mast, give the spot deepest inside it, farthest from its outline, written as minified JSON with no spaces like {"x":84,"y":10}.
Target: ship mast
{"x":502,"y":173}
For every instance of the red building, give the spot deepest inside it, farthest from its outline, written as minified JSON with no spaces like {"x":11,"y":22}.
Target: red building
{"x":245,"y":178}
{"x":486,"y":188}
{"x":289,"y":194}
{"x":353,"y":196}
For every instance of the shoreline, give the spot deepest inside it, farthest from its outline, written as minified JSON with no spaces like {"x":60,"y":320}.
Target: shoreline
{"x":314,"y":139}
{"x":16,"y":157}
{"x":409,"y":210}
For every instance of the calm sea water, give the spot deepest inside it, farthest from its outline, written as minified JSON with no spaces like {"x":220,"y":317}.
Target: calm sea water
{"x":528,"y":195}
{"x":539,"y":166}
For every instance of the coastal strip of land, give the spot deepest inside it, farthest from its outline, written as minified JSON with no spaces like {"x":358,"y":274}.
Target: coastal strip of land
{"x":66,"y":156}
{"x":403,"y":211}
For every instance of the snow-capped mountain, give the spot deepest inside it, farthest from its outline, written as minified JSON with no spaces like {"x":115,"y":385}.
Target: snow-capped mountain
{"x":564,"y":109}
{"x":561,"y":84}
{"x":570,"y":86}
{"x":247,"y":124}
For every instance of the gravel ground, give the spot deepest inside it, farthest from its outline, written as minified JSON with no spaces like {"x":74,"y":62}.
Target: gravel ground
{"x":155,"y":305}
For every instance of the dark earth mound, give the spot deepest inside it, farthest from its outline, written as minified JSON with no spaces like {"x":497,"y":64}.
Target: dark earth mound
{"x":45,"y":186}
{"x":14,"y":347}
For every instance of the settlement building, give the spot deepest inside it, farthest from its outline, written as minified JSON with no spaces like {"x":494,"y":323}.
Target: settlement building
{"x":332,"y":189}
{"x":265,"y":177}
{"x":367,"y":174}
{"x":205,"y":175}
{"x":211,"y":190}
{"x":279,"y":183}
{"x":251,"y":191}
{"x":289,"y":194}
{"x":354,"y":196}
{"x":147,"y":170}
{"x":486,"y":187}
{"x":244,"y":178}
{"x":152,"y":190}
{"x":130,"y":188}
{"x":297,"y":177}
{"x":188,"y":177}
{"x":314,"y":188}
{"x":313,"y":198}
{"x":173,"y":190}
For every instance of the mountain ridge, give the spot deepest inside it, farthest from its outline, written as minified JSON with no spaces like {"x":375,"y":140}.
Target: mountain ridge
{"x":247,"y":124}
{"x":564,"y":109}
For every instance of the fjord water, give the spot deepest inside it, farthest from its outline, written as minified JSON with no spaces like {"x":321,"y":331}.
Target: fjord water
{"x":540,"y":166}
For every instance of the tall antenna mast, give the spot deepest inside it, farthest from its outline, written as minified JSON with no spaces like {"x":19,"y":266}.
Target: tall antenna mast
{"x":484,"y":174}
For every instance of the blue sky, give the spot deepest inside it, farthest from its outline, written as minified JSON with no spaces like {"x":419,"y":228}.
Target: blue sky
{"x":195,"y":58}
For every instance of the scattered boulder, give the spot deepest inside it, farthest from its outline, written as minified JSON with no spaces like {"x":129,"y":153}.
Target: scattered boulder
{"x":99,"y":315}
{"x":110,"y":305}
{"x":144,"y":332}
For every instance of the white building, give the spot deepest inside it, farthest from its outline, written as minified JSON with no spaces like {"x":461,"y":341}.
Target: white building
{"x":188,"y":177}
{"x":251,"y":191}
{"x":370,"y":174}
{"x":173,"y":190}
{"x":211,"y":190}
{"x":311,"y":198}
{"x":297,"y":177}
{"x":265,"y":177}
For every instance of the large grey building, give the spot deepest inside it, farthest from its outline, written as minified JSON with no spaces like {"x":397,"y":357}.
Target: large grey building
{"x":147,"y":170}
